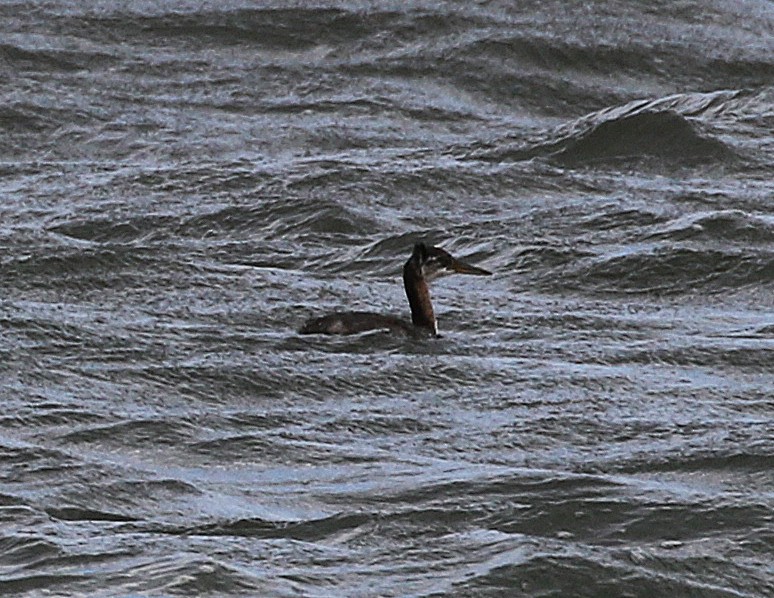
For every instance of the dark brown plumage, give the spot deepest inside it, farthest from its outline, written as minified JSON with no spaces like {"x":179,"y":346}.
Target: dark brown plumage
{"x":425,"y":263}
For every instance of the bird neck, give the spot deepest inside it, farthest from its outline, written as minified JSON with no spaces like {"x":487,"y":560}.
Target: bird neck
{"x":418,"y":294}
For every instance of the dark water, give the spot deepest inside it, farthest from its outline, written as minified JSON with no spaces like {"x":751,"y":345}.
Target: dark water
{"x":182,"y":186}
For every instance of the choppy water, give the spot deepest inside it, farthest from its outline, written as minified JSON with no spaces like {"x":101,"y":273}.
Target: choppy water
{"x":181,"y":186}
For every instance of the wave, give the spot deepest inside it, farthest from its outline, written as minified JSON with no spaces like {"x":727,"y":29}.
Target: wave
{"x":26,"y":118}
{"x":666,"y":136}
{"x":286,"y":28}
{"x":665,"y":132}
{"x":50,"y":59}
{"x":713,"y":251}
{"x":734,"y":226}
{"x":136,"y":432}
{"x":188,"y":576}
{"x":90,"y":266}
{"x":668,"y":270}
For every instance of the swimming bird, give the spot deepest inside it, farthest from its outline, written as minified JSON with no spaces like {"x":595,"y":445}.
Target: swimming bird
{"x":425,"y":263}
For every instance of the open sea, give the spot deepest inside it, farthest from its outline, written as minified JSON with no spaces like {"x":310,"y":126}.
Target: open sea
{"x":184,"y":183}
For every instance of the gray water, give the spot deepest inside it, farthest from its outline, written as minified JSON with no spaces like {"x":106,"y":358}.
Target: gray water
{"x":182,"y":184}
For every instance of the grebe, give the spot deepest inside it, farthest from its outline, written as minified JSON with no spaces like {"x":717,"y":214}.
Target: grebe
{"x":425,"y":263}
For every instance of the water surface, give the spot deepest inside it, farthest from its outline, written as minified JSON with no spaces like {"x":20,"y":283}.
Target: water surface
{"x":183,"y":185}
